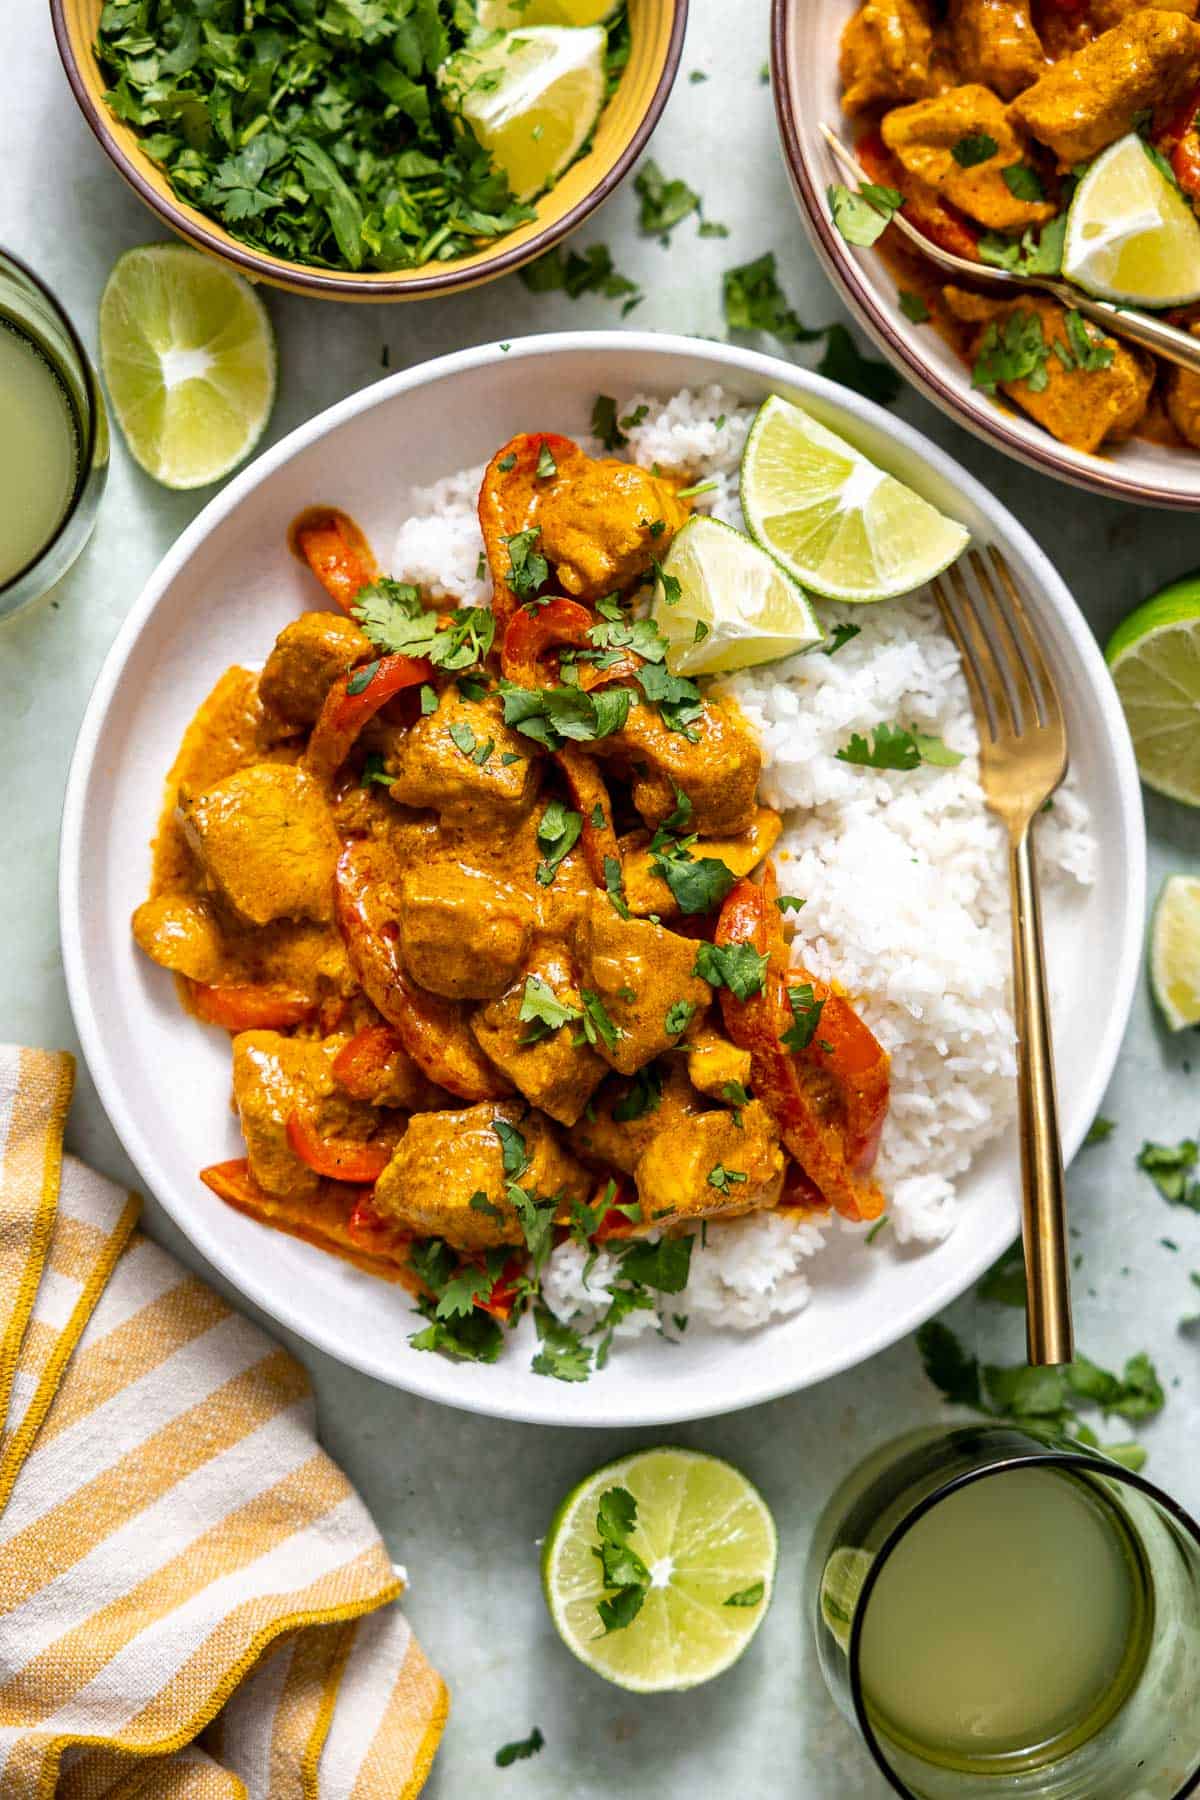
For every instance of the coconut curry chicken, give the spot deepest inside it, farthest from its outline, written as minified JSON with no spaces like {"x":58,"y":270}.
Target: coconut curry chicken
{"x":482,"y":897}
{"x":978,"y":118}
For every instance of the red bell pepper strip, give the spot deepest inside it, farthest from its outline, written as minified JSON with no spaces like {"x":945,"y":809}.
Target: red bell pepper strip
{"x":1179,"y":141}
{"x":528,"y":636}
{"x":338,"y":1159}
{"x":935,"y":219}
{"x":250,"y":1006}
{"x":757,"y":1025}
{"x":846,"y":1048}
{"x":337,"y":553}
{"x":590,"y":797}
{"x":362,"y":1066}
{"x":433,"y":1031}
{"x":352,"y":700}
{"x":500,"y":1299}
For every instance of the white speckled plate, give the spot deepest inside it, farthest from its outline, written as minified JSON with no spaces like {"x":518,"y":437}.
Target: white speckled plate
{"x":220,"y":596}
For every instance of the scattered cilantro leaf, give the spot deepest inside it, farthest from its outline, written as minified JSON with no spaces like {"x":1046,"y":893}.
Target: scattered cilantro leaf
{"x":976,"y":147}
{"x":912,"y":306}
{"x":721,"y":1178}
{"x":842,"y":361}
{"x":527,"y":567}
{"x":476,"y":1338}
{"x":547,"y":468}
{"x":1023,"y":182}
{"x":562,"y":1353}
{"x":948,"y":1366}
{"x":518,"y":1751}
{"x":663,"y":1266}
{"x":1039,"y":252}
{"x":598,"y":1026}
{"x":514,"y":1156}
{"x":754,"y":301}
{"x":575,"y":274}
{"x":543,"y":1011}
{"x":557,"y":834}
{"x":806,"y":1016}
{"x":891,"y":747}
{"x":604,"y":423}
{"x":664,"y":204}
{"x":863,"y":217}
{"x":1012,"y":350}
{"x":1170,"y":1167}
{"x":788,"y":903}
{"x":697,"y":884}
{"x":373,"y":770}
{"x":643,"y":1095}
{"x":1099,"y":1129}
{"x":678,"y":1017}
{"x":842,"y":635}
{"x":739,"y":967}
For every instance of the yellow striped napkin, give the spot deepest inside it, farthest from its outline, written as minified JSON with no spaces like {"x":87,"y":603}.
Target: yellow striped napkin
{"x":194,"y":1602}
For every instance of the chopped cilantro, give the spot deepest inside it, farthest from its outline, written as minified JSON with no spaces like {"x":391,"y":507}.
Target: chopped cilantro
{"x":562,"y":1353}
{"x":392,"y":616}
{"x":678,"y":1017}
{"x":663,"y":203}
{"x":614,"y":887}
{"x":462,"y":735}
{"x":604,"y":423}
{"x":527,"y":567}
{"x":1088,"y":350}
{"x":894,"y":748}
{"x":476,"y":1338}
{"x":479,"y":1202}
{"x":429,"y":699}
{"x":1037,"y":253}
{"x":842,"y":635}
{"x":842,"y":361}
{"x":1170,"y":1167}
{"x":362,"y":678}
{"x":643,"y":1095}
{"x":975,"y":147}
{"x":574,"y":274}
{"x":1099,"y":1129}
{"x":735,"y":1093}
{"x":518,"y":1751}
{"x":625,"y":1574}
{"x":514,"y":1156}
{"x":697,"y":884}
{"x":806,"y":1016}
{"x":1023,"y":182}
{"x":557,"y":834}
{"x":374,"y":771}
{"x":719,"y":1177}
{"x":1014,"y":350}
{"x":547,"y":468}
{"x":672,"y":592}
{"x":1161,"y":163}
{"x":788,"y":903}
{"x":597,"y":1024}
{"x":679,"y":701}
{"x":663,"y":1266}
{"x":549,"y":715}
{"x":754,"y":301}
{"x":863,"y":217}
{"x":543,"y":1011}
{"x":507,"y":463}
{"x":912,"y":306}
{"x":739,"y":967}
{"x":879,"y":1225}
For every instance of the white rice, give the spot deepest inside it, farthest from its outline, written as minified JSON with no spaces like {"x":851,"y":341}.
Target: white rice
{"x":902,"y":875}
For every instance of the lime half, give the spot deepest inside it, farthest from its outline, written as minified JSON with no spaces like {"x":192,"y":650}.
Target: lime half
{"x":1154,"y":656}
{"x":508,"y":15}
{"x":708,"y":1542}
{"x":736,"y":606}
{"x":189,"y":360}
{"x":1131,"y":235}
{"x":837,"y":522}
{"x":532,"y":98}
{"x":1175,"y":951}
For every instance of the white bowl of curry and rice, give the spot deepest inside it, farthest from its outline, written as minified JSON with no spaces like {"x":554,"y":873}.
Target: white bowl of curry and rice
{"x":1055,"y":82}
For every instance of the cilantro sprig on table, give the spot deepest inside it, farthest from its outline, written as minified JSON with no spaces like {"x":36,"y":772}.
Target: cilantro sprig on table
{"x":755,"y":301}
{"x":315,"y":133}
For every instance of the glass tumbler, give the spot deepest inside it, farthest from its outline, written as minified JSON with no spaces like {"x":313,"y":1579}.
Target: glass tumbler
{"x":30,"y":310}
{"x":1144,"y":1746}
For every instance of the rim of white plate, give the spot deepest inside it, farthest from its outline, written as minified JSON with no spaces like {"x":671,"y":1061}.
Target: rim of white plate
{"x":418,"y":1376}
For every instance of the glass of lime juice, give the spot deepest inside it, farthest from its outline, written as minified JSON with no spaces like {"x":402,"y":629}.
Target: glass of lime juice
{"x":53,"y":439}
{"x":1003,"y":1612}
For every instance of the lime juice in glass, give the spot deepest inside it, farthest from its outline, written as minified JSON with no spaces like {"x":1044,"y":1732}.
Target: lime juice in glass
{"x":53,"y":439}
{"x":1004,"y":1613}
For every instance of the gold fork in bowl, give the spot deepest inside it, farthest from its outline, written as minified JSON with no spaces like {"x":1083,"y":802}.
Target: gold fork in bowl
{"x":1139,"y":328}
{"x":1022,"y":759}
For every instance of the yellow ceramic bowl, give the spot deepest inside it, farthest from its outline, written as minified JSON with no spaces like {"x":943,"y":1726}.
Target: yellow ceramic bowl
{"x":657,"y":28}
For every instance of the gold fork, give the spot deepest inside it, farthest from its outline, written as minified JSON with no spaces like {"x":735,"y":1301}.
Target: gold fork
{"x":1023,"y":758}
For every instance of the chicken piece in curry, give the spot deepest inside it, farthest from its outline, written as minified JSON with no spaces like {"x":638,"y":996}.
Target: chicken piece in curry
{"x":482,"y":897}
{"x":983,"y":114}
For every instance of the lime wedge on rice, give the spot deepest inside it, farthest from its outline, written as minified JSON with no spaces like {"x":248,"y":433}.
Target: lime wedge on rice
{"x":508,"y":15}
{"x":841,"y":1584}
{"x":707,"y":1543}
{"x":1175,"y":951}
{"x":736,"y":607}
{"x":1131,"y":236}
{"x":189,"y":361}
{"x":1154,"y":657}
{"x":837,"y":523}
{"x":532,"y":98}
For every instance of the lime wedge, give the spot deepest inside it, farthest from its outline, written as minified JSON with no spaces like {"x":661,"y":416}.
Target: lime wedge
{"x":836,"y":522}
{"x":508,"y":15}
{"x":1175,"y":951}
{"x":1154,"y":656}
{"x":1131,"y":235}
{"x":189,"y":360}
{"x":841,"y":1584}
{"x":532,"y":98}
{"x":736,"y":606}
{"x":708,"y":1542}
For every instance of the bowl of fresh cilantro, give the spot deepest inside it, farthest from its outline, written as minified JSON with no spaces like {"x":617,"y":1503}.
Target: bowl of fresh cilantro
{"x":371,"y":149}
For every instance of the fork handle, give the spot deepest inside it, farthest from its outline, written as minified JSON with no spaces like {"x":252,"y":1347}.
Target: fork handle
{"x":1044,"y":1216}
{"x":1142,"y":328}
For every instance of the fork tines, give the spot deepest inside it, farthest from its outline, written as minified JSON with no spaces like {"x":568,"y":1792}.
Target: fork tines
{"x":1012,"y":690}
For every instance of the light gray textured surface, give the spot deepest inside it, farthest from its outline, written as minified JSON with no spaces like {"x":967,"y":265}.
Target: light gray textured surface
{"x":463,"y":1501}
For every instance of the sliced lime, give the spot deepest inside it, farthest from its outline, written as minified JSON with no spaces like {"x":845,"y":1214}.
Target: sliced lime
{"x":1154,"y":656}
{"x":834,"y":520}
{"x":841,"y":1584}
{"x":532,"y":98}
{"x":736,"y":606}
{"x":189,"y":360}
{"x":708,"y":1541}
{"x":509,"y":15}
{"x":1175,"y":951}
{"x":1131,"y":235}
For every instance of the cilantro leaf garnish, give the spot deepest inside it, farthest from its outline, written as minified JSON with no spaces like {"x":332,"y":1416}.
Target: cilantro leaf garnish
{"x":842,"y":361}
{"x":549,"y":715}
{"x":663,"y":1266}
{"x":475,"y":1338}
{"x":663,"y":203}
{"x":739,"y":967}
{"x":1023,"y":182}
{"x":842,"y":635}
{"x":361,"y":679}
{"x":1039,"y":252}
{"x":679,"y":701}
{"x":672,"y":590}
{"x":678,"y":1017}
{"x":547,"y":468}
{"x":747,"y":1596}
{"x":1088,"y":350}
{"x":754,"y":301}
{"x":479,"y":1202}
{"x":624,"y":1571}
{"x":698,"y":884}
{"x":462,"y":736}
{"x":863,"y":217}
{"x":1099,"y":1129}
{"x":892,"y":747}
{"x":572,"y":273}
{"x":527,"y":567}
{"x":373,"y":770}
{"x":598,"y":1026}
{"x":514,"y":1156}
{"x":644,"y":1095}
{"x":562,"y":1353}
{"x":913,"y":306}
{"x":1012,"y":350}
{"x":1170,"y":1167}
{"x":806,"y":1016}
{"x":518,"y":1751}
{"x":975,"y":147}
{"x":557,"y":834}
{"x":788,"y":903}
{"x":604,"y":423}
{"x":543,"y":1011}
{"x":614,"y":887}
{"x":720,"y":1177}
{"x":393,"y":617}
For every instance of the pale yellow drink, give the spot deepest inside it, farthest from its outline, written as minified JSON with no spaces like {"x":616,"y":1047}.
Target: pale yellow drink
{"x":39,"y":452}
{"x":1009,"y":1623}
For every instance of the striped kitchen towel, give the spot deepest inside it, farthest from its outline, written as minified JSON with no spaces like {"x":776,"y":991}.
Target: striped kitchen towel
{"x":194,"y":1602}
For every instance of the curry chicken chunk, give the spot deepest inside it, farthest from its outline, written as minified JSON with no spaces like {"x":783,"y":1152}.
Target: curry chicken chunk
{"x":983,"y":115}
{"x":468,"y":898}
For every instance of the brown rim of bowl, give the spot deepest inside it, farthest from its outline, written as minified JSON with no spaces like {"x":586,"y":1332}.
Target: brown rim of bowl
{"x":347,"y":285}
{"x":843,"y":271}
